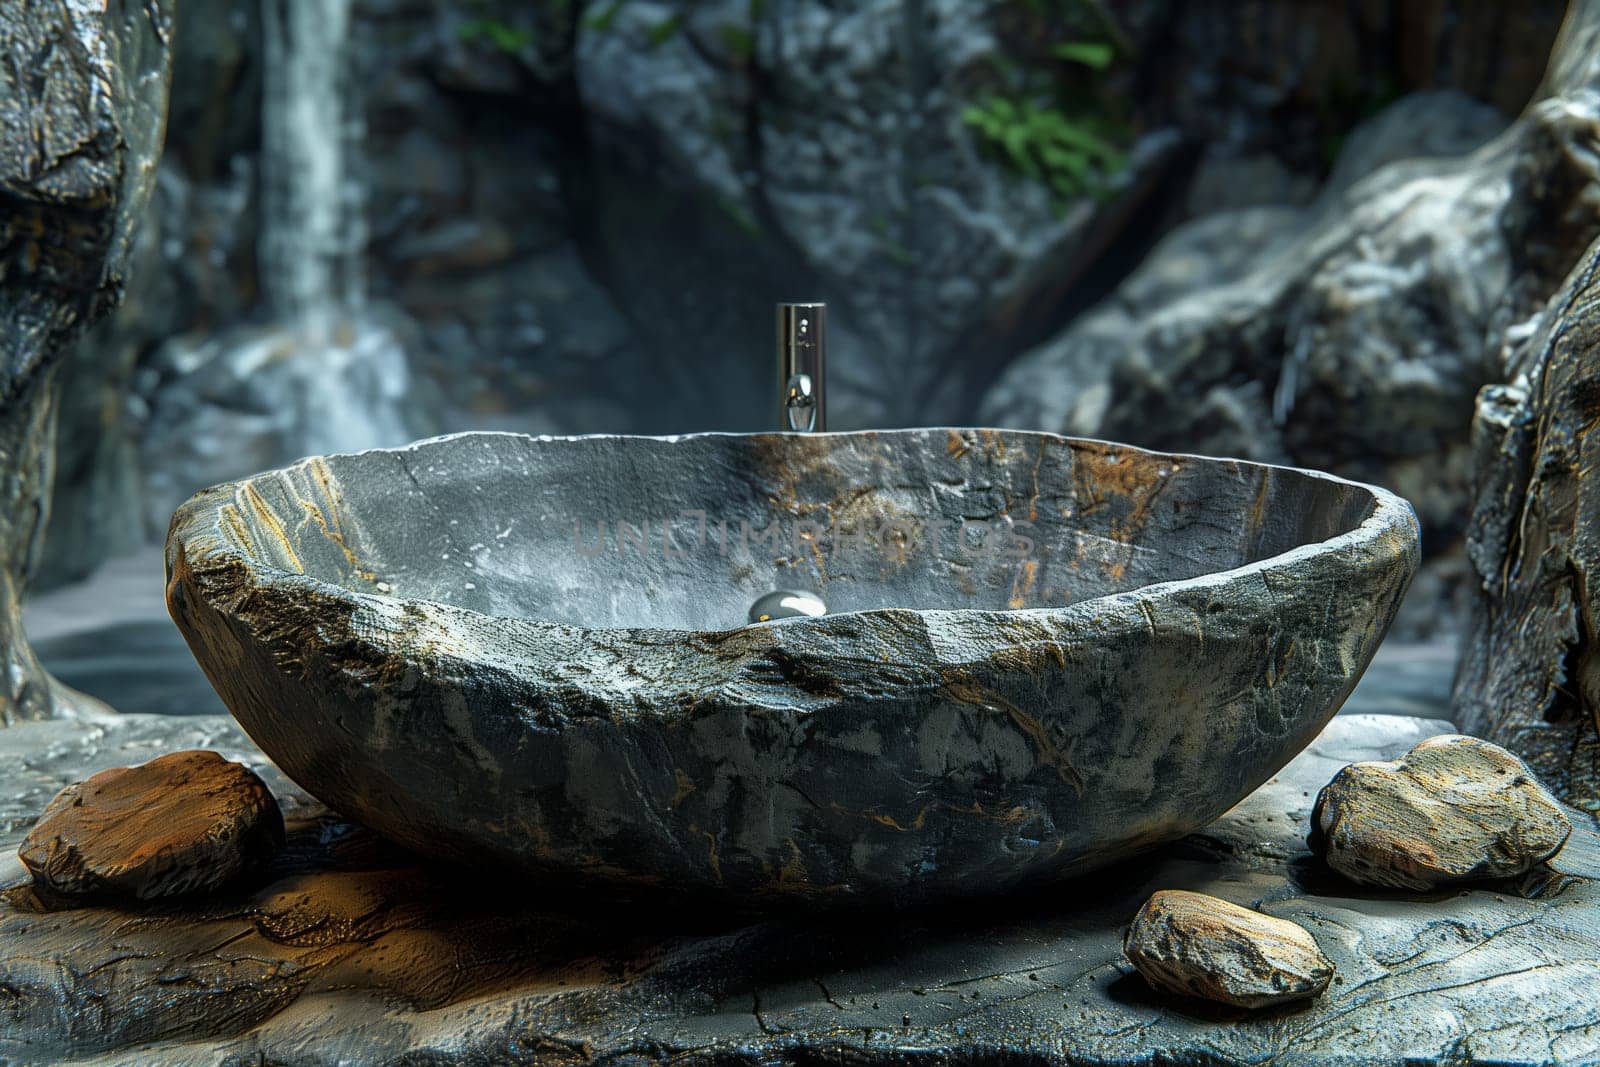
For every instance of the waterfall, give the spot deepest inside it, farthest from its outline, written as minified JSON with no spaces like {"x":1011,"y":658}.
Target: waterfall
{"x":348,"y":377}
{"x":313,"y":225}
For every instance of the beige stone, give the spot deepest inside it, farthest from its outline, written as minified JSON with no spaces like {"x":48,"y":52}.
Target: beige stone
{"x":1191,"y":944}
{"x":1452,"y":809}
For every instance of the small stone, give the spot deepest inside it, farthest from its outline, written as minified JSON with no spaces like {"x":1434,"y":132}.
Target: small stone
{"x":1191,"y":944}
{"x":184,"y":823}
{"x":1453,"y":809}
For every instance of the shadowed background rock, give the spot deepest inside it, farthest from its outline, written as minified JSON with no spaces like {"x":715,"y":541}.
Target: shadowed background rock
{"x":83,"y":97}
{"x":1528,"y":677}
{"x":576,"y":217}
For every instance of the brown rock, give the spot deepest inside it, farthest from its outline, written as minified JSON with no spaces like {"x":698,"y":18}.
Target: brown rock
{"x":1452,"y":809}
{"x":184,"y":823}
{"x":1196,"y":945}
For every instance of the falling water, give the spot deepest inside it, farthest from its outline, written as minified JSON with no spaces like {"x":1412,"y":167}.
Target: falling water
{"x":314,"y":227}
{"x":351,"y":376}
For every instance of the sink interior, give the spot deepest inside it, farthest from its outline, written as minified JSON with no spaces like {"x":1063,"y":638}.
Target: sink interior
{"x":687,"y":532}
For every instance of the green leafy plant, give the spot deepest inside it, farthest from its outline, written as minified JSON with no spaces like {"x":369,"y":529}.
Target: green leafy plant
{"x":1057,"y":119}
{"x":1096,"y":55}
{"x":606,"y":14}
{"x":740,"y":41}
{"x":1074,"y":156}
{"x":664,"y":31}
{"x":501,"y":35}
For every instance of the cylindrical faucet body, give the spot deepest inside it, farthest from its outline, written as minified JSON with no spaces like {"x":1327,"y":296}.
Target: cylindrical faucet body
{"x":802,"y":367}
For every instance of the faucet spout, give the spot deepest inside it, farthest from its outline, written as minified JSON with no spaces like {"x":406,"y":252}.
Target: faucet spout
{"x":802,"y":367}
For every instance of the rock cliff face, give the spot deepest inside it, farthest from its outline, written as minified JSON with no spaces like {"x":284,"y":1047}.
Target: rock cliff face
{"x":575,"y":217}
{"x":1350,"y":335}
{"x":1528,"y":676}
{"x":82,"y":106}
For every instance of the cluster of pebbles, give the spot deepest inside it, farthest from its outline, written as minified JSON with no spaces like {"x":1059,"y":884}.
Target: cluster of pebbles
{"x":1452,"y":810}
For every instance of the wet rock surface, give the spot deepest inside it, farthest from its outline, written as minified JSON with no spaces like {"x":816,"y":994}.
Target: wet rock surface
{"x":349,"y":951}
{"x":1452,"y":809}
{"x":1192,"y":944}
{"x":182,"y":823}
{"x":83,"y":98}
{"x":1530,"y":670}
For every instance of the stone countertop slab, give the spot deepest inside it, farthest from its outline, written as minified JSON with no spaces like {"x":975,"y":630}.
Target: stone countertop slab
{"x":350,"y":952}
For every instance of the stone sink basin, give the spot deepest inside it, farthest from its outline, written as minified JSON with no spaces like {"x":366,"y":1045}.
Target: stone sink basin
{"x":1042,"y":654}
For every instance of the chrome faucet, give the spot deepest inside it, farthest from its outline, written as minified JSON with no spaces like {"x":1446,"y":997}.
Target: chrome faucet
{"x":802,"y":367}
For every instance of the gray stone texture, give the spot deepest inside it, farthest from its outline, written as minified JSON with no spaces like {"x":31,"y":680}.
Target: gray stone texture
{"x":82,"y":108}
{"x":475,"y":674}
{"x":1527,"y":677}
{"x":576,"y":223}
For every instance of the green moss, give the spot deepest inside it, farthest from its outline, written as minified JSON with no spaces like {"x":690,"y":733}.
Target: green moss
{"x":725,"y":127}
{"x":892,"y":247}
{"x":739,"y":38}
{"x":1096,"y":55}
{"x":740,"y":41}
{"x":605,"y":15}
{"x":664,"y":31}
{"x":501,"y":35}
{"x":741,"y":216}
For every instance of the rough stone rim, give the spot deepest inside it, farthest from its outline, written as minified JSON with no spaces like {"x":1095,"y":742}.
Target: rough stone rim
{"x":1391,"y":524}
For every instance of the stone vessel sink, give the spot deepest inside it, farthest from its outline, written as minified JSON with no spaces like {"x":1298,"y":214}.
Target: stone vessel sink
{"x":1042,"y":654}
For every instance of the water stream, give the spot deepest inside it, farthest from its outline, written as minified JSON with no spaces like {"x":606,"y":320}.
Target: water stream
{"x":313,"y":225}
{"x":352,"y":377}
